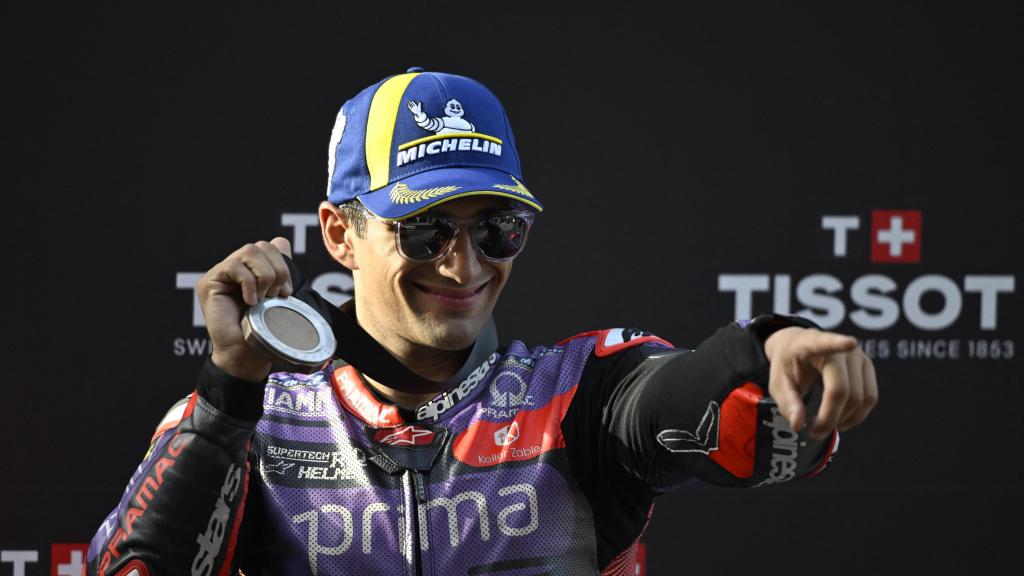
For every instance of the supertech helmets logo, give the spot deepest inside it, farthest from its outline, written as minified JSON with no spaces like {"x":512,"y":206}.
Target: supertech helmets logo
{"x":892,"y":295}
{"x":452,"y":132}
{"x":292,"y":464}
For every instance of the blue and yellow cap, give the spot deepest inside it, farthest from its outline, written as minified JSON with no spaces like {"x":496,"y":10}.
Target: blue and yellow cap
{"x":421,"y":138}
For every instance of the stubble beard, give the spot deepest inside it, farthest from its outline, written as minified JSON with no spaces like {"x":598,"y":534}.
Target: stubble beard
{"x":408,"y":329}
{"x":448,"y":334}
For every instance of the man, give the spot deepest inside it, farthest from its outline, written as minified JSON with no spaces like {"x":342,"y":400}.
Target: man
{"x":509,"y":459}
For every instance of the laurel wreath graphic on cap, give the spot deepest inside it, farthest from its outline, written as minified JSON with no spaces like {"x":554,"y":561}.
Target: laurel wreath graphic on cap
{"x":402,"y":194}
{"x":519,"y":188}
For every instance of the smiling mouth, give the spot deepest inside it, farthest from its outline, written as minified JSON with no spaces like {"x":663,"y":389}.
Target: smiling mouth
{"x":450,"y":294}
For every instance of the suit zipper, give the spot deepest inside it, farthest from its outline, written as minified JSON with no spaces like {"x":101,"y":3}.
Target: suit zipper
{"x":420,"y":487}
{"x":418,"y":496}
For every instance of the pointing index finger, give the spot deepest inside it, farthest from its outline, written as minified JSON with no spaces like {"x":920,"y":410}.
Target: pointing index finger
{"x":822,"y":343}
{"x":836,"y":382}
{"x":783,"y":390}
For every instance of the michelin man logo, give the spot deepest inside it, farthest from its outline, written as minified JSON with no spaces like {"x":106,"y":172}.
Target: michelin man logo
{"x":452,"y":133}
{"x":452,"y":123}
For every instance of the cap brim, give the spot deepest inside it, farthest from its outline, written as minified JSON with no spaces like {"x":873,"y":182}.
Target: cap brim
{"x":421,"y":191}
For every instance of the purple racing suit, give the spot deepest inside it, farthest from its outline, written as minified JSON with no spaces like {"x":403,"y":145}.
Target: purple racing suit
{"x":543,"y":460}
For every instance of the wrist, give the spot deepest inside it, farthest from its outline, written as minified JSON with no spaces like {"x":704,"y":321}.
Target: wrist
{"x":245,"y":365}
{"x":765,"y":326}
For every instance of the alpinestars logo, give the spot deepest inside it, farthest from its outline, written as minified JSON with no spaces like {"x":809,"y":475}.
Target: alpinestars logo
{"x":703,"y":440}
{"x":785,"y":449}
{"x":405,"y":436}
{"x":211,"y":540}
{"x":441,"y":404}
{"x":279,"y":467}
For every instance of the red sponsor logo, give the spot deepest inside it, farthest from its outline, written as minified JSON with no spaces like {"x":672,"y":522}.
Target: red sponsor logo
{"x":146,"y":491}
{"x":404,"y":436}
{"x":68,"y":559}
{"x":349,"y":389}
{"x":737,"y":430}
{"x":895,"y":236}
{"x":507,"y":435}
{"x":530,"y":434}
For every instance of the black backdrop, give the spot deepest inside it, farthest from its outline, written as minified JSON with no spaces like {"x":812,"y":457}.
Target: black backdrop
{"x":678,"y":152}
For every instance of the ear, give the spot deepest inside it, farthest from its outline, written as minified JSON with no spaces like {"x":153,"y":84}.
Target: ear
{"x":339,"y":234}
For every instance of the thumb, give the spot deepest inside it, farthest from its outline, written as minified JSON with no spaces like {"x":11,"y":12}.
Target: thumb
{"x":283,"y":245}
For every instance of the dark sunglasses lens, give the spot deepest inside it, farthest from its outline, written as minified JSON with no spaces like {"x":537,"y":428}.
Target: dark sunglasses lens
{"x":423,"y":238}
{"x":501,"y":236}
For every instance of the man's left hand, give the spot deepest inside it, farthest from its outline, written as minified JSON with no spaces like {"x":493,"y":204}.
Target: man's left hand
{"x":798,"y":356}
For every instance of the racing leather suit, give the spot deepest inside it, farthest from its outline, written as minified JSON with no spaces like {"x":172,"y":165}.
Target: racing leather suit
{"x":543,"y":460}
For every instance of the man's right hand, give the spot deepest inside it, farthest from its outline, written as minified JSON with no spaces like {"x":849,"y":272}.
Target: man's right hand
{"x":249,"y":274}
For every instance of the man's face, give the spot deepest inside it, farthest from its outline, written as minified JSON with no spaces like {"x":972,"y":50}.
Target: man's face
{"x":441,"y":304}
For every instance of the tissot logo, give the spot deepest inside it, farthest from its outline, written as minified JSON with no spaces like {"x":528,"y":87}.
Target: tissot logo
{"x":896,"y":236}
{"x":68,"y":559}
{"x":404,"y":436}
{"x":882,"y":299}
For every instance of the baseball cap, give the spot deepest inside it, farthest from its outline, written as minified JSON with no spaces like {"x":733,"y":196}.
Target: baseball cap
{"x":418,"y":139}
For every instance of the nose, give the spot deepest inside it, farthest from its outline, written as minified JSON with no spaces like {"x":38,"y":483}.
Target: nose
{"x":461,"y":263}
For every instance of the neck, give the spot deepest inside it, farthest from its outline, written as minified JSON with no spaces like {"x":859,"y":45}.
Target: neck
{"x":439,"y":366}
{"x":432,"y":364}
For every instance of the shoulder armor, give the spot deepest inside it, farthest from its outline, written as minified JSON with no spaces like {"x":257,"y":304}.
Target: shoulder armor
{"x":182,"y":409}
{"x":615,"y":340}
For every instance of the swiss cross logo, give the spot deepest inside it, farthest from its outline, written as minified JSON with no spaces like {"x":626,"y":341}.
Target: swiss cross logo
{"x":68,"y":559}
{"x":404,"y":436}
{"x":896,"y":236}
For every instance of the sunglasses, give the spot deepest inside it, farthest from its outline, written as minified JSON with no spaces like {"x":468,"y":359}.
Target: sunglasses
{"x":497,"y":236}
